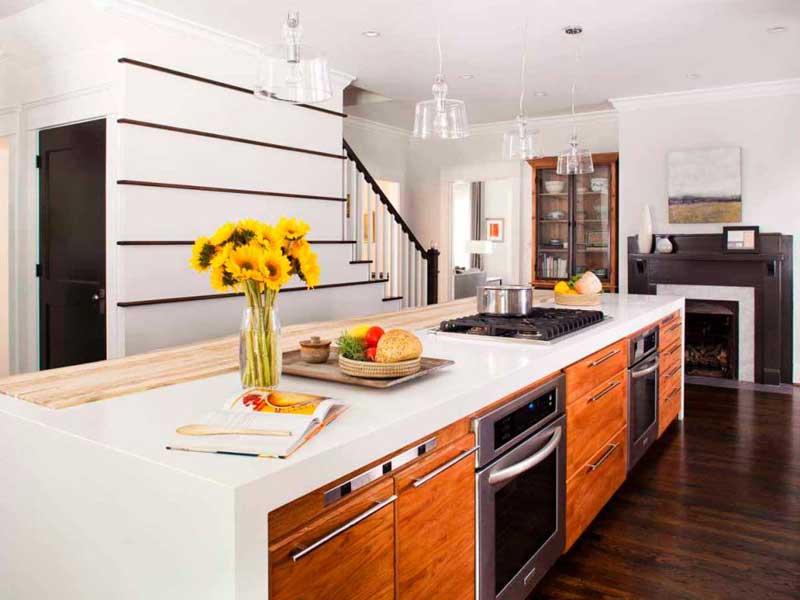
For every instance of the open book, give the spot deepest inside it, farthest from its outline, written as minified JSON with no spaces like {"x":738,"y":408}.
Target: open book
{"x":294,"y":418}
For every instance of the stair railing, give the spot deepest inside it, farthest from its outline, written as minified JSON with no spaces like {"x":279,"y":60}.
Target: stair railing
{"x":409,"y":270}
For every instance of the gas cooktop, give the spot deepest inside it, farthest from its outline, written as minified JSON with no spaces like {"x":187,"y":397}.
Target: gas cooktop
{"x":541,"y":325}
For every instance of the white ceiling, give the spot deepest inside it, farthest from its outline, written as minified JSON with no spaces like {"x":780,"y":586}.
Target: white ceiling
{"x":629,"y":47}
{"x":11,"y":7}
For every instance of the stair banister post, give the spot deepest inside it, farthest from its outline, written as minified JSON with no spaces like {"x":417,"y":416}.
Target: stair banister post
{"x":433,"y":273}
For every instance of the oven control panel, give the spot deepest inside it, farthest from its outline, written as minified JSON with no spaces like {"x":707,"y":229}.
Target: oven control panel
{"x":523,"y":418}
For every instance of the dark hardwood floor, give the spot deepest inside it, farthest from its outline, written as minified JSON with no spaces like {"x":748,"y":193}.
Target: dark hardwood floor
{"x":712,"y":511}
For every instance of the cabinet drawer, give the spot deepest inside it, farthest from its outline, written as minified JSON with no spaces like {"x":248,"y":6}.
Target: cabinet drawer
{"x":670,"y":333}
{"x":668,"y":377}
{"x":348,"y":553}
{"x":671,"y":356}
{"x":584,"y":375}
{"x":669,"y":405}
{"x":594,"y":484}
{"x":593,"y":419}
{"x":436,"y":525}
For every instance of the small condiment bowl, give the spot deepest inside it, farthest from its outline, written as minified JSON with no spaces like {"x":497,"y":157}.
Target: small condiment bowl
{"x":315,"y":350}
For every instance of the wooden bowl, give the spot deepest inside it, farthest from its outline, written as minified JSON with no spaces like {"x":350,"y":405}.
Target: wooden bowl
{"x":578,"y":299}
{"x":373,"y":370}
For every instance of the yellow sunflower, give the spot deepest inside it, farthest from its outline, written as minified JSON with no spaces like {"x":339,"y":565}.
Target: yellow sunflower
{"x":272,"y":237}
{"x":250,"y":225}
{"x":246,"y":262}
{"x":293,"y":229}
{"x":202,"y":253}
{"x":309,"y":269}
{"x":222,"y":281}
{"x":275,"y":270}
{"x":298,"y":249}
{"x":221,"y":256}
{"x":222,"y":234}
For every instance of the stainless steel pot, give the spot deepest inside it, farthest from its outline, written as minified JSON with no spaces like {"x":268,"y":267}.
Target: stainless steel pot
{"x":505,"y":300}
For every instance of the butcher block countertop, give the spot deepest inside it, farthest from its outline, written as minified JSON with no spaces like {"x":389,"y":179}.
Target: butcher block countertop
{"x":72,"y":386}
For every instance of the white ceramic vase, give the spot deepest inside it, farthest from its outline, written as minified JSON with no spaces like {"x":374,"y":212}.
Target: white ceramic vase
{"x":645,"y":238}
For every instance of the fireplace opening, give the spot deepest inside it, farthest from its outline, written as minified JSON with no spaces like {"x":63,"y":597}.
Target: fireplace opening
{"x":712,"y":339}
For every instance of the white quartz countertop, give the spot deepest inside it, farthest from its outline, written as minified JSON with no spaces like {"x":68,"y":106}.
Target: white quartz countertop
{"x":377,"y":422}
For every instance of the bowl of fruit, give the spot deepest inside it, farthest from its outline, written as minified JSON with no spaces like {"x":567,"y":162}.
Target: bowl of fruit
{"x":580,"y":290}
{"x":369,"y":351}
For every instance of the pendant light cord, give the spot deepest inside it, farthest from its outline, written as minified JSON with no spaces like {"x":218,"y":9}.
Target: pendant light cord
{"x":522,"y":74}
{"x":439,"y":47}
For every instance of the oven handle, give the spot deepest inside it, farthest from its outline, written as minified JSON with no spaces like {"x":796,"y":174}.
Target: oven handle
{"x":637,"y":374}
{"x":528,"y":463}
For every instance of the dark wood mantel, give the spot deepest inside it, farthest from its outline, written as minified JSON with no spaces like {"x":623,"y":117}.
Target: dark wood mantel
{"x":698,"y":259}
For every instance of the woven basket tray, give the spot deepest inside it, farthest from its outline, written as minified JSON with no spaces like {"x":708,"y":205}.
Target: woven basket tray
{"x":372,"y":370}
{"x":578,"y":299}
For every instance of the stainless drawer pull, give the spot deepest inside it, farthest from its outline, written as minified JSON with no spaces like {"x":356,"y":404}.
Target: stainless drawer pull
{"x":675,"y":370}
{"x":603,"y":458}
{"x":339,"y":530}
{"x":675,"y":349}
{"x":673,"y":392}
{"x":444,"y":467}
{"x":611,"y":354}
{"x":613,"y":386}
{"x":674,"y":327}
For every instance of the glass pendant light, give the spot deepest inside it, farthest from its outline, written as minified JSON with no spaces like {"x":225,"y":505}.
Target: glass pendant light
{"x":574,"y":160}
{"x":441,"y":117}
{"x":292,"y":71}
{"x":519,"y":143}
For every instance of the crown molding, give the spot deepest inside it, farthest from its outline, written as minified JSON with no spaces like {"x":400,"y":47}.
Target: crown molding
{"x":165,"y":20}
{"x":781,"y":87}
{"x":375,"y":126}
{"x":498,"y":127}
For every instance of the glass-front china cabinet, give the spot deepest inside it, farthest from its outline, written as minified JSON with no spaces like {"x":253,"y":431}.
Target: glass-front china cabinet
{"x":575,"y":222}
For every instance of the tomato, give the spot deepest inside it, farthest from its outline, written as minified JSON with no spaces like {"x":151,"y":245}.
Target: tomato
{"x":374,"y":334}
{"x":370,"y":353}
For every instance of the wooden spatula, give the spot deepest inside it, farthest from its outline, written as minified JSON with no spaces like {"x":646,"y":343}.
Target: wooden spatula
{"x":200,"y":429}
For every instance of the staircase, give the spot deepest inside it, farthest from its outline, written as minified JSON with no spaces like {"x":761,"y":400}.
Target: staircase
{"x":385,"y":241}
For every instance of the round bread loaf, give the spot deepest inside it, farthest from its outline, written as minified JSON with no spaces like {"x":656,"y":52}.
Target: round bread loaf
{"x":397,"y":345}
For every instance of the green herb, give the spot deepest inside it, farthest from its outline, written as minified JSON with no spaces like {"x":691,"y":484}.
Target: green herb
{"x":351,"y":347}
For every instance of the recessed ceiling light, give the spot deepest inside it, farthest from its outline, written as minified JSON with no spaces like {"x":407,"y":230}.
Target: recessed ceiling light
{"x":539,"y":94}
{"x":692,"y":76}
{"x":371,"y":33}
{"x":467,"y":76}
{"x":776,"y":29}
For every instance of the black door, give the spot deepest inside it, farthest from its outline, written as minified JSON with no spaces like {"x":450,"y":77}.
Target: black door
{"x":72,"y":238}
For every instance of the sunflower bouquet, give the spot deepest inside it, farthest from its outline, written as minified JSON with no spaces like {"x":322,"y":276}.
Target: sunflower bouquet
{"x":257,"y":259}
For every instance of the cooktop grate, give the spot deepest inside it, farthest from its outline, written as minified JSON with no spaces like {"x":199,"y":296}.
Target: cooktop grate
{"x":542,"y":324}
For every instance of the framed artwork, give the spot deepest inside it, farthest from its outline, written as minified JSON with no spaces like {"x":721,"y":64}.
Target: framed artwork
{"x":705,"y":186}
{"x":743,"y":239}
{"x":495,"y":230}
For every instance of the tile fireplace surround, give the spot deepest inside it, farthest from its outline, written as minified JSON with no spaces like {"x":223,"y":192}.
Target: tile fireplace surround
{"x":761,"y":284}
{"x":745,"y":296}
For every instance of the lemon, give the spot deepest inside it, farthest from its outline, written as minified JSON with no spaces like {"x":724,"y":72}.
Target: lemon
{"x":562,"y":287}
{"x":359,"y":331}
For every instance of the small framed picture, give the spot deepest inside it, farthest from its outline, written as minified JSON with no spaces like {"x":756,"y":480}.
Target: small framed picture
{"x":740,"y":239}
{"x":495,"y":230}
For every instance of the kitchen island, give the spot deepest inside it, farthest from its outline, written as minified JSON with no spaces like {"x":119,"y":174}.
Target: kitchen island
{"x":94,"y":506}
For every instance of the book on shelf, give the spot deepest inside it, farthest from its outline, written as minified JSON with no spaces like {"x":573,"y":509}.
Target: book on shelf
{"x":293,"y":419}
{"x":552,"y":267}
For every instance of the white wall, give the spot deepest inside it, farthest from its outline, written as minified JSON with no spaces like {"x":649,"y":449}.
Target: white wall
{"x":498,"y":203}
{"x":766,"y":128}
{"x":5,"y":192}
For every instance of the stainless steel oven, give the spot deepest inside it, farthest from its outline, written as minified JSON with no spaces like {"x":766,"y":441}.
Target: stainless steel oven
{"x":520,"y":489}
{"x":642,"y":394}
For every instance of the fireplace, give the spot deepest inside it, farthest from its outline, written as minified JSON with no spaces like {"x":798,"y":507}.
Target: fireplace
{"x":712,"y":339}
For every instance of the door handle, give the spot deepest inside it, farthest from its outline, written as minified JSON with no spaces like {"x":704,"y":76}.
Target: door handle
{"x":637,"y":373}
{"x":603,"y":359}
{"x":99,"y":298}
{"x":340,"y":530}
{"x":444,"y":467}
{"x":528,"y":463}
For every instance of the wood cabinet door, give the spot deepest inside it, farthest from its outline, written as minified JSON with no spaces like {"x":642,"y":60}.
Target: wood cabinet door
{"x":436,"y":525}
{"x":592,"y":486}
{"x":346,"y":555}
{"x":585,"y":375}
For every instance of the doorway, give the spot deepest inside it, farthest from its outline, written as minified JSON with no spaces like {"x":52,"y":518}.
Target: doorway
{"x":72,"y":244}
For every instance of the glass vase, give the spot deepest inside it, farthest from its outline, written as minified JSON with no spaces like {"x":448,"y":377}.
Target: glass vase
{"x":259,"y":342}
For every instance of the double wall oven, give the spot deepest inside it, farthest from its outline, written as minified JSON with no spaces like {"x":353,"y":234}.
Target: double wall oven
{"x":520,"y":491}
{"x":642,"y":394}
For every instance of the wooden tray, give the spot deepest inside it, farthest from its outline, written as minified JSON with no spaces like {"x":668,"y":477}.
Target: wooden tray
{"x":578,"y":299}
{"x":330,"y":371}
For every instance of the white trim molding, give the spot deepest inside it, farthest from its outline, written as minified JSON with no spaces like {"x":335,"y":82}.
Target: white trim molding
{"x":781,"y":87}
{"x":375,"y":126}
{"x":498,"y":127}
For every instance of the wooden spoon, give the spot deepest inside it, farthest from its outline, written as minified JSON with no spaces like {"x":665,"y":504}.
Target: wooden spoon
{"x":211,"y":430}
